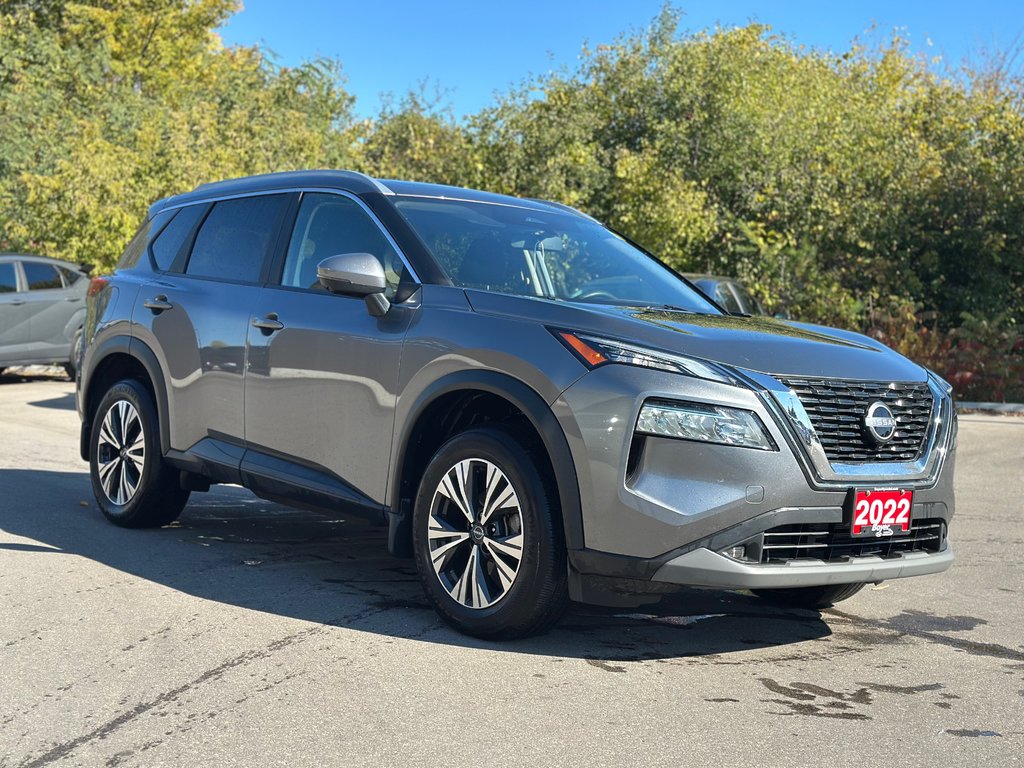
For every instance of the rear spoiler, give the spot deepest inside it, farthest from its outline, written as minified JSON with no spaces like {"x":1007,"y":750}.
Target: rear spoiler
{"x":86,"y":268}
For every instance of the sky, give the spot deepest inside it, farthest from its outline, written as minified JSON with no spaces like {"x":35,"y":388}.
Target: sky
{"x":468,"y":50}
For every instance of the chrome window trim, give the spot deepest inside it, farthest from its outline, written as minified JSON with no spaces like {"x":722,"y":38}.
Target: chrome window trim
{"x":790,"y":414}
{"x":323,"y":190}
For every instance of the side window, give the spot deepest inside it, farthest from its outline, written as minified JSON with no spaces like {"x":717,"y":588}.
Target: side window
{"x":41,"y":277}
{"x":724,"y":297}
{"x":329,"y":225}
{"x":235,"y":238}
{"x":170,"y":243}
{"x":749,"y":303}
{"x":70,"y":276}
{"x":137,"y":245}
{"x":8,"y":280}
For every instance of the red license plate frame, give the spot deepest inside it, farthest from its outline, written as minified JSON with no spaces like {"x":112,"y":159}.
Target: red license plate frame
{"x":879,"y":512}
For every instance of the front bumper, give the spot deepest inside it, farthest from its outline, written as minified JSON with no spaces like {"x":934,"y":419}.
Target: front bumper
{"x":665,"y":511}
{"x":704,"y":568}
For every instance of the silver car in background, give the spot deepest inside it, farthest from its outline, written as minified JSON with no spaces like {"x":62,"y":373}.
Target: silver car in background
{"x":537,"y":408}
{"x":42,"y":311}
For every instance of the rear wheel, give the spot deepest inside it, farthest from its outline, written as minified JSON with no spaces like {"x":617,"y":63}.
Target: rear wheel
{"x":133,"y":485}
{"x":71,"y":366}
{"x":810,"y":597}
{"x":487,"y":537}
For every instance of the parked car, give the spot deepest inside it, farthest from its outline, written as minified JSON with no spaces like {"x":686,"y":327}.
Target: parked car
{"x":728,"y":293}
{"x":537,"y":408}
{"x":42,"y":310}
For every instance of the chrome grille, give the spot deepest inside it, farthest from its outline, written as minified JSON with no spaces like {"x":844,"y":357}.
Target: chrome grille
{"x":825,"y":541}
{"x":837,"y":410}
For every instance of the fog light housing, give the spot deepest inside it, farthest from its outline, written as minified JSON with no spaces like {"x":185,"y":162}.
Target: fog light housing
{"x":704,"y":423}
{"x":749,"y":552}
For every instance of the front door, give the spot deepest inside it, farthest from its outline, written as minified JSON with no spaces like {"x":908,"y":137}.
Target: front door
{"x":322,"y":372}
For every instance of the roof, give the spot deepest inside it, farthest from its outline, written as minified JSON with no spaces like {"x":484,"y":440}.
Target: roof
{"x":351,"y":181}
{"x":446,"y":192}
{"x":5,"y":257}
{"x":348,"y":180}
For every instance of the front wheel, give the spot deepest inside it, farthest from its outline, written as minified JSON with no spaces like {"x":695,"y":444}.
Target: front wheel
{"x":810,"y":597}
{"x":133,"y":485}
{"x":487,"y":537}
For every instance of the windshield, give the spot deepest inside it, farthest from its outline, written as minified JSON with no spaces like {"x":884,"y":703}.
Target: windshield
{"x":547,"y":254}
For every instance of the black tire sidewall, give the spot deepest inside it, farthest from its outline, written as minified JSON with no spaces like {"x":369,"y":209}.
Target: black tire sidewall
{"x":543,"y":548}
{"x":132,"y":513}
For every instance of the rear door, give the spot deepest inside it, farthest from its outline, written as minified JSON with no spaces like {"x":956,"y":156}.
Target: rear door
{"x":49,"y":310}
{"x":210,"y":259}
{"x":13,"y":315}
{"x":322,"y":374}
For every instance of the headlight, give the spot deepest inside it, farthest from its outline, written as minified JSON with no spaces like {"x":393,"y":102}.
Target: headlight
{"x":594,"y":351}
{"x":704,"y":423}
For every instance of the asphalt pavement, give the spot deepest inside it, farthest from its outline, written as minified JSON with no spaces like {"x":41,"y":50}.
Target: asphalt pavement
{"x":250,"y":634}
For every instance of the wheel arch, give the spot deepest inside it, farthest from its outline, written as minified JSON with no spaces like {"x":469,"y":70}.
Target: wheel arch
{"x":432,"y":406}
{"x":113,"y":359}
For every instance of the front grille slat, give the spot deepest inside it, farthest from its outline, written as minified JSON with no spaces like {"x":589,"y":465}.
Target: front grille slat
{"x":837,"y":409}
{"x":832,"y":542}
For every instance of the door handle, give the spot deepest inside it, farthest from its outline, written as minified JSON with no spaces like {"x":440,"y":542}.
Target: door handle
{"x":158,"y":304}
{"x":72,"y":298}
{"x":16,"y":303}
{"x":268,"y":324}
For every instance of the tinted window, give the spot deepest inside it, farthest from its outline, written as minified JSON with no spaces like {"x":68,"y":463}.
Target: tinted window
{"x":724,"y":297}
{"x":8,"y":281}
{"x":235,"y":238}
{"x":750,"y":304}
{"x":170,"y":243}
{"x":70,"y":276}
{"x":137,"y":246}
{"x":41,"y":277}
{"x":542,"y":252}
{"x":329,"y":225}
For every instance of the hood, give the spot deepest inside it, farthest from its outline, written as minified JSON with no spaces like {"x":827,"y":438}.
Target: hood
{"x":762,"y":344}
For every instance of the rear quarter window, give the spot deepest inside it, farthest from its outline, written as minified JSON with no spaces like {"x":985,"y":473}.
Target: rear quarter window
{"x":171,"y":243}
{"x":137,"y":245}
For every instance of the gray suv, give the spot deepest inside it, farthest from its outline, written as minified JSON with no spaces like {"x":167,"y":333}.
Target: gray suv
{"x":42,"y":310}
{"x":537,"y":408}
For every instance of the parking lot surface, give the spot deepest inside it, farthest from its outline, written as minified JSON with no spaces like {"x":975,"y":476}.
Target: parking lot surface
{"x":248,"y":633}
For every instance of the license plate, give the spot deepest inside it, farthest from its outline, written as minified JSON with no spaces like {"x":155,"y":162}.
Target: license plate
{"x":881,"y":512}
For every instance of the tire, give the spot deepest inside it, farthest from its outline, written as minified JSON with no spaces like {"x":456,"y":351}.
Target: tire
{"x":133,"y":485}
{"x":810,"y":597}
{"x":515,"y":515}
{"x":71,"y":366}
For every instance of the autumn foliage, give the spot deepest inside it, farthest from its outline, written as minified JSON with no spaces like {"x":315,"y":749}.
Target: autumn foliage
{"x":870,"y":189}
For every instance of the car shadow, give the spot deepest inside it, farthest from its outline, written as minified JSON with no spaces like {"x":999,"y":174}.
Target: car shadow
{"x":62,"y":403}
{"x":231,"y":547}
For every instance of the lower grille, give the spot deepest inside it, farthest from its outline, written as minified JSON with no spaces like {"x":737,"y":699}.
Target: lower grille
{"x":829,"y":542}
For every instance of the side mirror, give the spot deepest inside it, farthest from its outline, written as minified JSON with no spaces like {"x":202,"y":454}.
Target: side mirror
{"x":356,"y":274}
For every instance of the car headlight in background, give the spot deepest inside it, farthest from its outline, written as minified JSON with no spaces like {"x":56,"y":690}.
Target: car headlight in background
{"x":704,"y":423}
{"x":594,"y":351}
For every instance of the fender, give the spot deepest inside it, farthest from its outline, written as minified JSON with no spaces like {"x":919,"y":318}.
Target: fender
{"x":541,"y":417}
{"x":141,"y":353}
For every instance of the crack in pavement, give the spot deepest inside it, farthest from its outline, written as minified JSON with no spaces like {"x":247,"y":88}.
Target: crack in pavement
{"x":64,"y":749}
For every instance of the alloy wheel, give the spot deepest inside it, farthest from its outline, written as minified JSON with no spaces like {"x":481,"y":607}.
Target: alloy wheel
{"x":475,"y":533}
{"x":121,"y":452}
